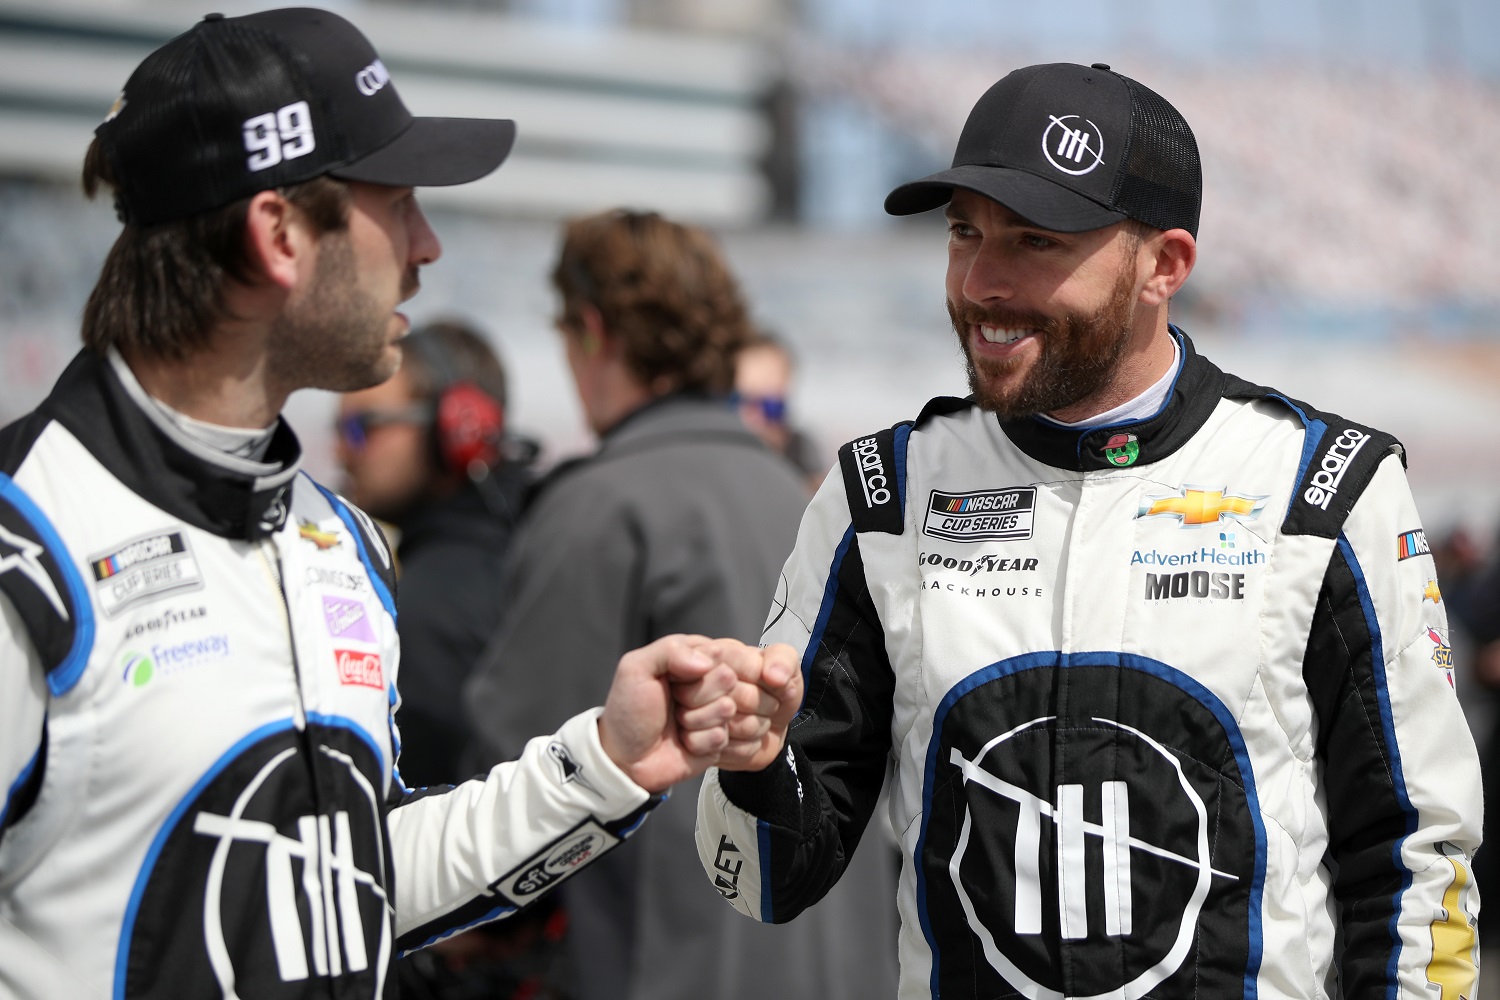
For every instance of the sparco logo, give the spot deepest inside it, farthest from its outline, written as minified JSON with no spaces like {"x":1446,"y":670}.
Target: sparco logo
{"x":1325,"y":482}
{"x":872,"y":472}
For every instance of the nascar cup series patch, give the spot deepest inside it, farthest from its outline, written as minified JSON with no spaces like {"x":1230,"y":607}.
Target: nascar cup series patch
{"x":986,"y":516}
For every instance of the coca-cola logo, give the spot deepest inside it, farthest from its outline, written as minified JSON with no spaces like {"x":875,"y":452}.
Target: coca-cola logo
{"x":360,"y":668}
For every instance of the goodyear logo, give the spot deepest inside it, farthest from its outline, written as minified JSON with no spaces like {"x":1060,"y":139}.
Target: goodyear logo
{"x":991,"y":515}
{"x":1195,"y":505}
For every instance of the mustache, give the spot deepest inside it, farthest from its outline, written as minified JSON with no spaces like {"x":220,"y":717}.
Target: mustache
{"x":411,"y":284}
{"x":967,"y":314}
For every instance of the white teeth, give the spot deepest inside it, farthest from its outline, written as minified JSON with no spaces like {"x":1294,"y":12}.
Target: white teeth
{"x":997,"y":335}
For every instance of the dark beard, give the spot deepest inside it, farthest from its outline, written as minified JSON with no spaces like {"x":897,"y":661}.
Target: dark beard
{"x":1078,"y":358}
{"x":336,"y":338}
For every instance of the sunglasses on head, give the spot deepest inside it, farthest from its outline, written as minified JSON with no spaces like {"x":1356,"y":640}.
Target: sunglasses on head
{"x":355,"y":427}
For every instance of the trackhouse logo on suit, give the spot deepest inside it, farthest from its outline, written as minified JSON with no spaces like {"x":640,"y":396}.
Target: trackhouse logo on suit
{"x":1088,"y":848}
{"x":262,"y":886}
{"x":977,"y":575}
{"x":144,"y":567}
{"x":1325,"y":482}
{"x":989,"y":515}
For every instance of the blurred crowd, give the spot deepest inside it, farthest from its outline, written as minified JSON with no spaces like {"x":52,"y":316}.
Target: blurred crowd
{"x":679,"y":521}
{"x":1315,"y":196}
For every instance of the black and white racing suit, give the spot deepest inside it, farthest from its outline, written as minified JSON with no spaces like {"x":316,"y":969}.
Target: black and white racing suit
{"x":198,"y":660}
{"x":1168,"y":708}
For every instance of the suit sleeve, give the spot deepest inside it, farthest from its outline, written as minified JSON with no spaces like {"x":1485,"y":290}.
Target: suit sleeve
{"x":775,"y":841}
{"x":23,"y":717}
{"x":482,"y":850}
{"x":1400,"y":771}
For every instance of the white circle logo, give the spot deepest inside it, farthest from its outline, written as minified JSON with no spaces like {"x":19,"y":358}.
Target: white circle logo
{"x":1070,"y":830}
{"x":1073,"y":144}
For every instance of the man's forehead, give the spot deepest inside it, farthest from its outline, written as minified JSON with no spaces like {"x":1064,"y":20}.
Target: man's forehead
{"x":967,"y":206}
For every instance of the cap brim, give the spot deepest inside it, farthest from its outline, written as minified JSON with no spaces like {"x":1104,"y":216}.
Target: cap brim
{"x":436,"y":152}
{"x":1034,"y":198}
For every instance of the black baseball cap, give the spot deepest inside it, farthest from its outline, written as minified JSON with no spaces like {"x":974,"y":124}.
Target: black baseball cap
{"x":1071,"y":148}
{"x":238,"y":105}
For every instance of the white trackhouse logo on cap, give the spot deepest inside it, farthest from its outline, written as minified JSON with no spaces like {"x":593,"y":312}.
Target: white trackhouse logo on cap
{"x":1073,"y":144}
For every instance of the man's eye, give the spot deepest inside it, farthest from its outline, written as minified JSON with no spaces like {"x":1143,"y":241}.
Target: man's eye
{"x":960,"y":229}
{"x":1037,"y":242}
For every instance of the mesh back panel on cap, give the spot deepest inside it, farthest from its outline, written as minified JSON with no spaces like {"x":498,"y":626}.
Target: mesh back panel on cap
{"x":1162,"y":181}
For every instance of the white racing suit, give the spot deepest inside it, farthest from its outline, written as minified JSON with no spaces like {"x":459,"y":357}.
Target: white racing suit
{"x":1168,"y":707}
{"x":198,"y":661}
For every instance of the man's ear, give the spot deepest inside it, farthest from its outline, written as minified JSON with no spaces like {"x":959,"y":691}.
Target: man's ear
{"x":593,"y":336}
{"x":1171,"y":256}
{"x":277,"y":241}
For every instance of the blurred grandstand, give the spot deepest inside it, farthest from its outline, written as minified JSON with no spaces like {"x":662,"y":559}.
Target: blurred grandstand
{"x":1350,"y":236}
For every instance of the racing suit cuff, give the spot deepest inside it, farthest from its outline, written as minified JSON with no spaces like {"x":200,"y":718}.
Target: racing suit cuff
{"x":773,"y":794}
{"x":580,"y":735}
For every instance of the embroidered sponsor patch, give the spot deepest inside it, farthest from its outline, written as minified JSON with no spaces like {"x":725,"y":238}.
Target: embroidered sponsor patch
{"x":1412,"y":543}
{"x":323,"y":539}
{"x":988,"y":516}
{"x":358,"y":667}
{"x":347,"y":619}
{"x":1195,"y":505}
{"x":555,"y":862}
{"x":144,"y":567}
{"x":1442,"y":654}
{"x":1329,"y":475}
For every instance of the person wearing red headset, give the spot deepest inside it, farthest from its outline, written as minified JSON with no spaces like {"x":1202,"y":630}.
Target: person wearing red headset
{"x":428,"y":453}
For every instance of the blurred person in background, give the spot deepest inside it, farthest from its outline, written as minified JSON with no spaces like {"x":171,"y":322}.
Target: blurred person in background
{"x":763,"y":373}
{"x":427,"y":452}
{"x":198,"y":648}
{"x":680,"y":520}
{"x":1156,"y":651}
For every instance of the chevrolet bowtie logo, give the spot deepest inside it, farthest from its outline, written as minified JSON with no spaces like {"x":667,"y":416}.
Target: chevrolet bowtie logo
{"x":1193,"y":506}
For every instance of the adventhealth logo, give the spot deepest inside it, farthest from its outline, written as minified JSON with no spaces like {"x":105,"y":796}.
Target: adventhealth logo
{"x":1201,"y":557}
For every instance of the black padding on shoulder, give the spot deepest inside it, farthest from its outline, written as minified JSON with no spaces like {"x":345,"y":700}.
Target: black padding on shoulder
{"x":871,"y":482}
{"x":1344,"y":460}
{"x":942,"y":406}
{"x":32,"y":577}
{"x":1340,"y":459}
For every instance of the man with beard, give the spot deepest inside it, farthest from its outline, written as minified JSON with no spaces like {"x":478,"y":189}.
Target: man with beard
{"x":199,"y":793}
{"x":1154,"y":653}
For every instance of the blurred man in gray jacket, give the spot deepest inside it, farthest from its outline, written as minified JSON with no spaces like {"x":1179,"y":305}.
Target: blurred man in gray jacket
{"x":679,"y":522}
